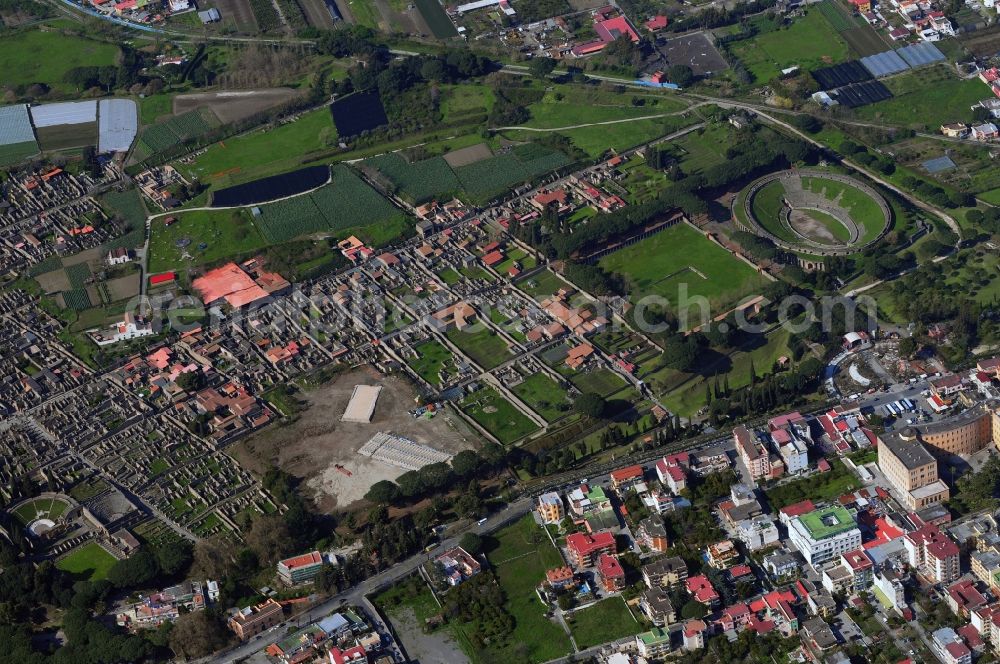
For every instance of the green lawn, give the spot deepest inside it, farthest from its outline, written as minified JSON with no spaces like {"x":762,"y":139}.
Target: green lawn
{"x":826,"y":486}
{"x":926,"y":99}
{"x":702,"y":148}
{"x":450,"y":276}
{"x":497,"y":415}
{"x":862,"y":208}
{"x":600,"y":381}
{"x":541,"y":284}
{"x":809,"y":42}
{"x":431,"y":358}
{"x":155,"y":106}
{"x":681,"y":261}
{"x":89,"y":561}
{"x":608,"y":620}
{"x":485,"y":347}
{"x":544,"y":396}
{"x":522,"y":555}
{"x":223,"y":232}
{"x":565,"y":106}
{"x":257,"y":154}
{"x":33,"y":56}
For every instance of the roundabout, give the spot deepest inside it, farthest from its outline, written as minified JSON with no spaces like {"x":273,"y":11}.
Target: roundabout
{"x":813,"y":212}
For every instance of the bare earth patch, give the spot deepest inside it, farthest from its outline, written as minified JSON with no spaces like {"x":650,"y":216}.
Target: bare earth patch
{"x":234,"y":105}
{"x":314,"y":445}
{"x":469,"y":155}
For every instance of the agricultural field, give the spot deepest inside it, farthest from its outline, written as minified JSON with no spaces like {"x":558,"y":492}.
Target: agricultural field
{"x":491,"y":177}
{"x":252,"y":156}
{"x":596,"y":140}
{"x":265,"y":14}
{"x":127,"y":206}
{"x":544,"y":396}
{"x":32,"y":56}
{"x":344,"y":206}
{"x":809,"y":42}
{"x":179,"y":128}
{"x":89,"y":561}
{"x":201,"y":236}
{"x":860,"y":36}
{"x":65,"y":137}
{"x":417,"y":182}
{"x":485,"y":347}
{"x":497,"y":415}
{"x":436,"y":18}
{"x":926,"y":98}
{"x":17,"y":152}
{"x":678,"y":258}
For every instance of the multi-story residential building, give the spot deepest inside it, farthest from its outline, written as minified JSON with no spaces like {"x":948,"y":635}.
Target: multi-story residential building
{"x":550,"y":507}
{"x":824,"y":534}
{"x":655,"y":603}
{"x":623,"y":478}
{"x":752,"y":452}
{"x":652,"y":534}
{"x":790,"y":437}
{"x":860,"y":567}
{"x":911,"y":469}
{"x":457,"y":565}
{"x":932,"y":553}
{"x":672,"y":471}
{"x":889,"y":589}
{"x":757,"y":533}
{"x":965,"y":433}
{"x":949,"y":647}
{"x":963,"y":598}
{"x":610,"y":573}
{"x":722,"y":554}
{"x":584,"y":549}
{"x":586,"y":499}
{"x":300,"y":569}
{"x":654,"y":644}
{"x":986,"y":566}
{"x":665,"y":572}
{"x":694,"y":635}
{"x":251,"y":621}
{"x":702,"y":590}
{"x":560,"y":577}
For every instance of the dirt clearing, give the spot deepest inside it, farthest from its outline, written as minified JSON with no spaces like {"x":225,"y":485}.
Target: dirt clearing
{"x":234,"y":105}
{"x":314,"y":445}
{"x":469,"y":155}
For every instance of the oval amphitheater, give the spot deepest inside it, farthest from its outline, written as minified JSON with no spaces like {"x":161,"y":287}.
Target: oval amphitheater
{"x":813,"y":212}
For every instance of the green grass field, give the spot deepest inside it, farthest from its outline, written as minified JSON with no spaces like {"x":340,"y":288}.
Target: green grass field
{"x":17,"y":152}
{"x":608,"y":620}
{"x":544,"y":396}
{"x":541,"y":284}
{"x":223,"y":232}
{"x":89,"y":561}
{"x":437,"y":19}
{"x":926,"y":99}
{"x":485,"y":347}
{"x":497,"y":415}
{"x":809,"y":42}
{"x":521,"y":556}
{"x":33,"y":56}
{"x":155,"y":106}
{"x":419,"y":181}
{"x":40,"y":508}
{"x":862,"y":208}
{"x":703,"y":148}
{"x":432,"y":357}
{"x":600,"y":381}
{"x":680,"y":257}
{"x":253,"y":155}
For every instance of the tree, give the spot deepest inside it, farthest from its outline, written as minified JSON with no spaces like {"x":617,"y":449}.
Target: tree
{"x":680,"y":352}
{"x":270,"y":538}
{"x":174,"y":558}
{"x":466,"y":463}
{"x":541,"y":67}
{"x":382,"y":492}
{"x":134,"y":571}
{"x":907,"y":347}
{"x":693,"y":609}
{"x":198,"y":634}
{"x":472,"y":543}
{"x":681,"y":75}
{"x":591,"y":404}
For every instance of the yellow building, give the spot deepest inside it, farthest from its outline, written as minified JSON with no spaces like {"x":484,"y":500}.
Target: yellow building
{"x":911,"y":469}
{"x":964,"y":434}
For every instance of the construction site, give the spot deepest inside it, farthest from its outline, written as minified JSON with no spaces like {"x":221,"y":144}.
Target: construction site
{"x":337,"y":460}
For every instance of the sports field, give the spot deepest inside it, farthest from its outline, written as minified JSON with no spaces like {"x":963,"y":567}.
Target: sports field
{"x":90,"y":561}
{"x":809,"y":42}
{"x":200,"y":237}
{"x":680,"y":258}
{"x":33,"y":56}
{"x":254,"y":155}
{"x":497,"y":415}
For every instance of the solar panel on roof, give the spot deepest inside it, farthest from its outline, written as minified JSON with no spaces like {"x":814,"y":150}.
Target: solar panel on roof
{"x":884,"y":64}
